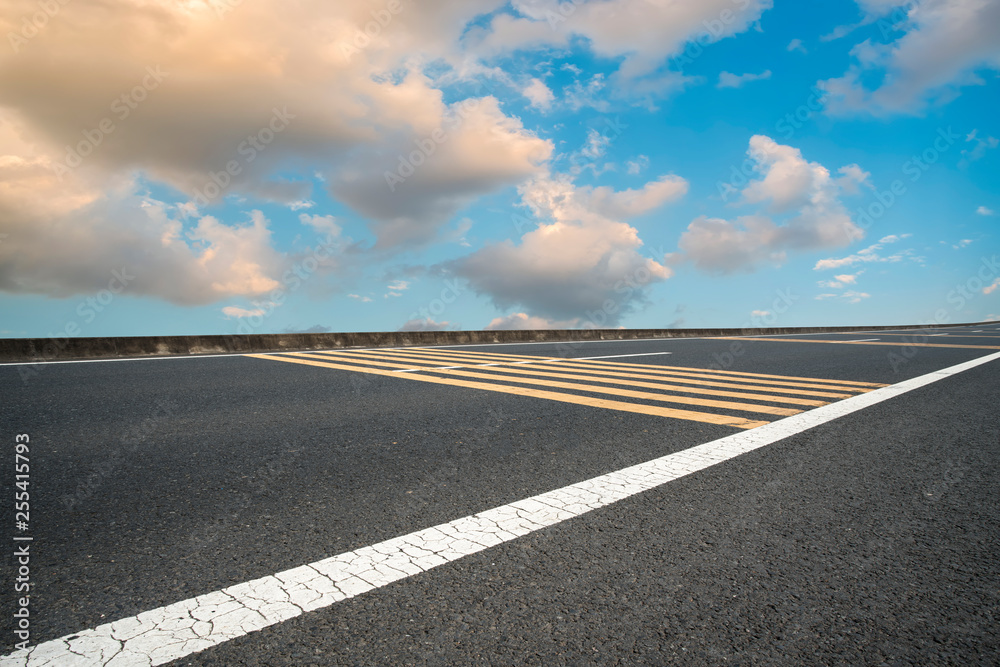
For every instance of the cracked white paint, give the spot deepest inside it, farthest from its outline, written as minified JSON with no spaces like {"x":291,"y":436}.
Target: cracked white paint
{"x":162,"y":635}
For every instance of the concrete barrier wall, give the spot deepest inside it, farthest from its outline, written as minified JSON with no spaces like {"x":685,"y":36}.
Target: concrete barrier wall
{"x":53,"y":349}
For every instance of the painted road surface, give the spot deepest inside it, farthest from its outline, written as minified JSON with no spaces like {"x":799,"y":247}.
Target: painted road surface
{"x":799,"y":499}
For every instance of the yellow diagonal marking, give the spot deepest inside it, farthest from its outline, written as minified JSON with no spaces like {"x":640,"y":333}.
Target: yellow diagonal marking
{"x":542,"y":370}
{"x":354,"y":356}
{"x":950,"y":333}
{"x":873,"y":342}
{"x":585,"y":367}
{"x":529,"y":370}
{"x":674,"y":413}
{"x":689,"y":378}
{"x":790,"y":380}
{"x":663,"y":398}
{"x":456,"y":356}
{"x":681,"y":376}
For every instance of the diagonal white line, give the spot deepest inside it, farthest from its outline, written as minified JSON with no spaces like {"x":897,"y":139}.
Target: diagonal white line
{"x":540,"y":360}
{"x":161,"y":635}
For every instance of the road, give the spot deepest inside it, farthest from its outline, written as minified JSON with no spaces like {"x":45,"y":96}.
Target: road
{"x":842,"y":507}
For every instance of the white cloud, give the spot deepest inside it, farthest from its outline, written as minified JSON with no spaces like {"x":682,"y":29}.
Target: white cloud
{"x":637,"y":165}
{"x":521,"y":321}
{"x":427,"y":324}
{"x":964,"y":243}
{"x":345,"y":118}
{"x":480,"y":150}
{"x":624,"y":204}
{"x":362,"y":299}
{"x":791,"y":186}
{"x":235,"y":312}
{"x":855,"y":297}
{"x":596,"y":146}
{"x":978,"y":150}
{"x":67,"y":237}
{"x":396,"y":288}
{"x":580,"y":263}
{"x":850,"y":297}
{"x":644,"y":34}
{"x":945,"y":43}
{"x":760,"y":313}
{"x":982,"y":210}
{"x":841,"y":281}
{"x":796,"y":45}
{"x":853,"y":177}
{"x":989,"y":289}
{"x":324,"y":224}
{"x":729,"y":80}
{"x":867,"y":255}
{"x":538,"y":94}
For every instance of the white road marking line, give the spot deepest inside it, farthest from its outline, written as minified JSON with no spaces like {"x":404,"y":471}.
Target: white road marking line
{"x":618,"y":356}
{"x":529,"y":361}
{"x":432,"y":347}
{"x":161,"y":635}
{"x":866,"y":340}
{"x":338,"y":349}
{"x":99,"y":361}
{"x":942,"y":334}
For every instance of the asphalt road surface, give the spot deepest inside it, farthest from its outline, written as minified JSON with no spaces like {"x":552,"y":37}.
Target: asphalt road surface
{"x":841,"y":507}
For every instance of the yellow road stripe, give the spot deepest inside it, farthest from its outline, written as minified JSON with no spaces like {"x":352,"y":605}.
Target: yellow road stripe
{"x":448,"y":353}
{"x":937,"y":335}
{"x":674,"y":413}
{"x":529,"y":370}
{"x":460,"y":356}
{"x":682,"y":375}
{"x":394,"y":357}
{"x":847,"y":342}
{"x":586,"y":369}
{"x":674,"y":373}
{"x":628,"y":379}
{"x":454,"y":360}
{"x":665,"y":398}
{"x":691,"y":378}
{"x":683,"y":368}
{"x":751,"y":376}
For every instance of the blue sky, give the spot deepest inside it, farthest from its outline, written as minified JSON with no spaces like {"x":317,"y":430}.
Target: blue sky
{"x":600,"y":163}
